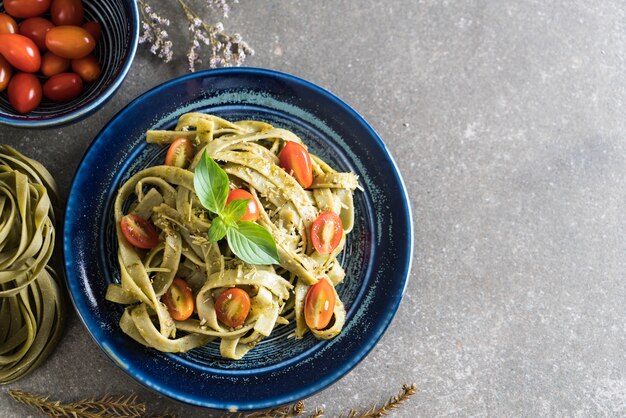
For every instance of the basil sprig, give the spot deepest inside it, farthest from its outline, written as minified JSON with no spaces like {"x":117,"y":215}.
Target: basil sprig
{"x":249,"y":241}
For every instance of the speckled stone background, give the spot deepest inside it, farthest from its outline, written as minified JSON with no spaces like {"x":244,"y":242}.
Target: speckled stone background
{"x":508,"y":121}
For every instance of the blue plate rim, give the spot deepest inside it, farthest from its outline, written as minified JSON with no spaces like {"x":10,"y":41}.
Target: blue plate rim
{"x":295,"y":395}
{"x":91,"y":107}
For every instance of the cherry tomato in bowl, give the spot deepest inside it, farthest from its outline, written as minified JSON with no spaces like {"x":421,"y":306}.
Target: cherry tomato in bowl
{"x":24,"y":9}
{"x":7,"y":24}
{"x":326,"y":232}
{"x":252,"y":211}
{"x":94,"y":29}
{"x":70,"y":42}
{"x":24,"y":92}
{"x":232,"y":307}
{"x":63,"y":87}
{"x":179,"y":300}
{"x":319,"y":304}
{"x":21,"y":52}
{"x":296,"y":161}
{"x":180,"y":153}
{"x":139,"y":232}
{"x":52,"y":64}
{"x":6,"y":71}
{"x":36,"y":28}
{"x":67,"y":12}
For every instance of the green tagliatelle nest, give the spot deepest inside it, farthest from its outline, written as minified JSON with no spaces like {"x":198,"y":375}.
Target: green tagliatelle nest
{"x":248,"y":151}
{"x":31,"y":302}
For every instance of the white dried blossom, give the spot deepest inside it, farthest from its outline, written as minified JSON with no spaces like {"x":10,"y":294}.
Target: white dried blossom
{"x":153,"y":31}
{"x":221,"y":5}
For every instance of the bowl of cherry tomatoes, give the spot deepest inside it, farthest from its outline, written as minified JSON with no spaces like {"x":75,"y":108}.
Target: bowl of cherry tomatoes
{"x":61,"y":60}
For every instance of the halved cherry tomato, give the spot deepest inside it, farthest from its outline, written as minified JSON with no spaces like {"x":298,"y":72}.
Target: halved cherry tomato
{"x":6,"y":71}
{"x":67,"y":12}
{"x":232,"y":307}
{"x":52,"y":64}
{"x":26,"y":8}
{"x":95,"y":29}
{"x":36,"y":28}
{"x":139,"y":232}
{"x":180,"y":153}
{"x":87,"y":68}
{"x":326,"y":232}
{"x":63,"y":87}
{"x":179,"y":300}
{"x":20,"y":51}
{"x":252,"y":212}
{"x":24,"y":92}
{"x":7,"y":24}
{"x":319,"y":304}
{"x":295,"y":160}
{"x":70,"y":41}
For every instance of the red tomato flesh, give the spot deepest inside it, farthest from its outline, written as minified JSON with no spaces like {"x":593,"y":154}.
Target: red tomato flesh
{"x":319,"y":305}
{"x":252,"y":212}
{"x":232,"y":307}
{"x":180,"y":153}
{"x":179,"y":300}
{"x":20,"y":51}
{"x":139,"y":232}
{"x":326,"y":232}
{"x":296,"y":161}
{"x":24,"y":92}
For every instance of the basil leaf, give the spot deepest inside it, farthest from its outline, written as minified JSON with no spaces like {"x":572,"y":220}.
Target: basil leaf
{"x":211,"y":184}
{"x":252,"y":243}
{"x":217,"y":230}
{"x":234,"y":211}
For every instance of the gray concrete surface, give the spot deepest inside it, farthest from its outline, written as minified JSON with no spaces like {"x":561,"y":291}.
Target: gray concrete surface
{"x":508,"y":121}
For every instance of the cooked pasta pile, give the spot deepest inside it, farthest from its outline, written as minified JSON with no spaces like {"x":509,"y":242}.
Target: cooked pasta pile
{"x":248,"y":151}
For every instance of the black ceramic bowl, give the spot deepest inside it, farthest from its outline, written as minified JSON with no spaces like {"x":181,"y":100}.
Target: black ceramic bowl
{"x":115,"y":52}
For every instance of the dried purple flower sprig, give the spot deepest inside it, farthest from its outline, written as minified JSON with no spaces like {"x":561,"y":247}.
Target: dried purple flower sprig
{"x":224,"y":50}
{"x":153,"y":31}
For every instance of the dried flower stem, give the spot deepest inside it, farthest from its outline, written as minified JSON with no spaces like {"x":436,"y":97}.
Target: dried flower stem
{"x":289,"y":411}
{"x":225,"y":50}
{"x":393,"y":403}
{"x":154,"y":31}
{"x":106,"y":407}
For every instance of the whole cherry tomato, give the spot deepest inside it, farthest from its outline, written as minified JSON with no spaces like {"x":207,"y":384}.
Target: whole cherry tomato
{"x":36,"y":28}
{"x":139,"y":232}
{"x":296,"y":161}
{"x":87,"y":68}
{"x":179,"y":300}
{"x":20,"y":51}
{"x":232,"y":307}
{"x":63,"y":87}
{"x":70,"y":41}
{"x":252,"y":211}
{"x":180,"y":153}
{"x":52,"y":64}
{"x":95,"y":29}
{"x":326,"y":232}
{"x":319,"y":304}
{"x":24,"y":9}
{"x":6,"y":71}
{"x":67,"y":12}
{"x":7,"y":24}
{"x":24,"y":92}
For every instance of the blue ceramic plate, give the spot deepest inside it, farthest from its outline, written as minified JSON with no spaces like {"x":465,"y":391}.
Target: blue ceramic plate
{"x":377,"y":257}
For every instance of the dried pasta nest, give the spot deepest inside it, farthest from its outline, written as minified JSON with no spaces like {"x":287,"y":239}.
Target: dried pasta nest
{"x":31,"y":299}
